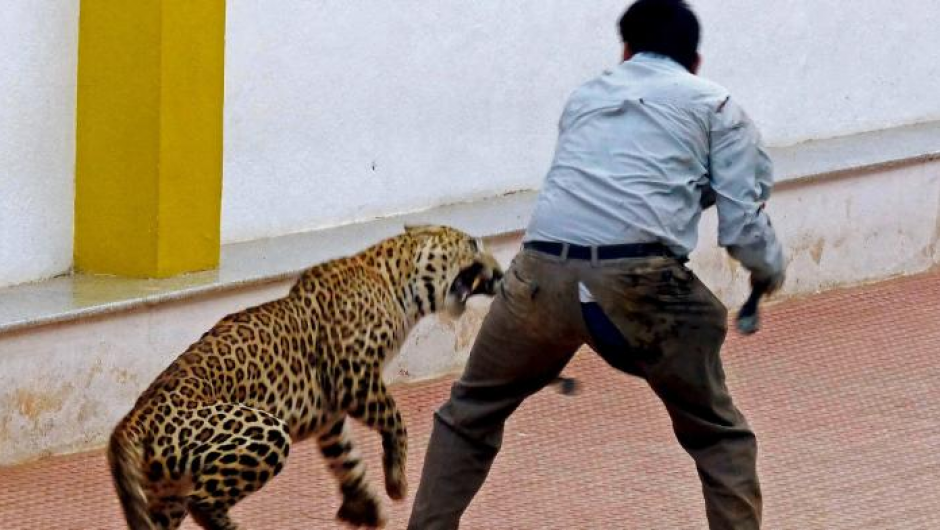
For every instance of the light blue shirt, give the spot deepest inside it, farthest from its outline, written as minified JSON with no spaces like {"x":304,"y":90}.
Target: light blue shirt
{"x":637,"y":148}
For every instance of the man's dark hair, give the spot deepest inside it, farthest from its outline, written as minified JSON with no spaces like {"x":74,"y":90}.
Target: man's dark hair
{"x":667,"y":27}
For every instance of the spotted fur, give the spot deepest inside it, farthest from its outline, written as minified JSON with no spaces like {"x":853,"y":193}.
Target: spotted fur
{"x":219,"y":422}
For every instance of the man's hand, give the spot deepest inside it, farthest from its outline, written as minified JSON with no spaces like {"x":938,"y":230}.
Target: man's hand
{"x":770,"y":283}
{"x":748,"y":320}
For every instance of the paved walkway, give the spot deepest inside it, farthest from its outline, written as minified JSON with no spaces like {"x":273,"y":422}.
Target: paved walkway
{"x":843,"y":390}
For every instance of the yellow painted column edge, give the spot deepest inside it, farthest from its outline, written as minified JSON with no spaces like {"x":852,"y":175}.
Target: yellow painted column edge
{"x":149,"y":136}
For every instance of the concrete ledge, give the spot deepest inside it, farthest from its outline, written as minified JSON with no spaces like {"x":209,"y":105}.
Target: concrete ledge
{"x":242,"y":265}
{"x":270,"y":260}
{"x":856,"y":153}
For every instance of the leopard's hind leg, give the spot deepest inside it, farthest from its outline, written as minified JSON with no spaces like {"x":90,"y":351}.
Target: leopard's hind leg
{"x":232,"y":451}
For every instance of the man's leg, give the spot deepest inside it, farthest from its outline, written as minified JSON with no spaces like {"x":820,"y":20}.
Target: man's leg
{"x":691,"y":383}
{"x":529,"y":335}
{"x":674,"y":328}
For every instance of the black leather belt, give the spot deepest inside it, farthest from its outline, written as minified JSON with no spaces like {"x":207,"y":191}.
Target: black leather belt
{"x":633,"y":250}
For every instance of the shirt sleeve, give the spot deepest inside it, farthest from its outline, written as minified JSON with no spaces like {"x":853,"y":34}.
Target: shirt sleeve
{"x":741,"y":176}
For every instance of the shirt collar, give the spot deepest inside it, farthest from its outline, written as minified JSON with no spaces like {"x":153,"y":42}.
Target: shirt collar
{"x":657,"y":59}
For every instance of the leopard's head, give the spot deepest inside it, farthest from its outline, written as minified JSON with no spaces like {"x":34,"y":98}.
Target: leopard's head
{"x":451,"y":267}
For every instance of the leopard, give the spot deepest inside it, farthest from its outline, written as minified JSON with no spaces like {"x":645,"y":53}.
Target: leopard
{"x":219,"y":422}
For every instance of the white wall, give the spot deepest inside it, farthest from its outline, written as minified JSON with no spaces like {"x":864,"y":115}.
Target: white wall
{"x":342,"y":111}
{"x":338,"y":111}
{"x":821,"y":68}
{"x":38,"y":58}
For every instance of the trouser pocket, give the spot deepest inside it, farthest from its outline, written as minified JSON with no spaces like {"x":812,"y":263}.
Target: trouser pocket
{"x":609,"y":342}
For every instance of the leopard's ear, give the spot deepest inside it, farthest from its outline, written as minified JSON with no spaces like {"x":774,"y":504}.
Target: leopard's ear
{"x":418,"y":230}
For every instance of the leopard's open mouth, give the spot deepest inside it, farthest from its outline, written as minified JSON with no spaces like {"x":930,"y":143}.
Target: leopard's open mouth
{"x":465,"y":282}
{"x":475,"y":279}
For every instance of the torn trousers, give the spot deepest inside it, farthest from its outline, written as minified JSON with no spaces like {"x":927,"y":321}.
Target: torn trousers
{"x":652,"y":318}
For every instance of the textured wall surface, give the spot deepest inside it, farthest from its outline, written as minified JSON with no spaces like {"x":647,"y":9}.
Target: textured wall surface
{"x":38,"y":56}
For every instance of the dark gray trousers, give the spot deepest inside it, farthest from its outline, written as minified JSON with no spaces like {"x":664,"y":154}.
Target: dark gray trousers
{"x":672,"y":328}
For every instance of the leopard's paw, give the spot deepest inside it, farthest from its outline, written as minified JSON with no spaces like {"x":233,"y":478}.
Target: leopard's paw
{"x":361,"y":511}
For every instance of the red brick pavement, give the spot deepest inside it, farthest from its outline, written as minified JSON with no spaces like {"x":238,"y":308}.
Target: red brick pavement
{"x":842,"y":388}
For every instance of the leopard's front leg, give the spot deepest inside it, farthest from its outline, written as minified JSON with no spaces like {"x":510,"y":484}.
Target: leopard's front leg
{"x":361,"y":506}
{"x":379,"y":411}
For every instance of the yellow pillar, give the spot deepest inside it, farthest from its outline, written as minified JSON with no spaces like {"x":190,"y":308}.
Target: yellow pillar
{"x":149,"y":136}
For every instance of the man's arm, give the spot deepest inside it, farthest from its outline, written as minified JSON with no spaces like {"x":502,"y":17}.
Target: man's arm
{"x":741,"y":176}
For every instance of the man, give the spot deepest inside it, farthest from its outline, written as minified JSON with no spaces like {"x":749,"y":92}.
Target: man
{"x":642,"y":149}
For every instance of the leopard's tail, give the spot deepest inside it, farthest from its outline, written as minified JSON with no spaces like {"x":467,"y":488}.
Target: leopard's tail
{"x":124,"y":458}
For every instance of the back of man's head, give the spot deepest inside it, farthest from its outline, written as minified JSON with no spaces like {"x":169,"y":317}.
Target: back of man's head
{"x":667,"y":27}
